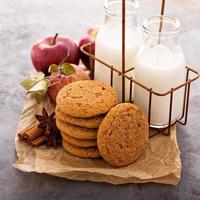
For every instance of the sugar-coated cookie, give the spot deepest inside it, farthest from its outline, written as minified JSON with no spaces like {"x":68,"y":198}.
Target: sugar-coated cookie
{"x":88,"y":98}
{"x":76,"y":131}
{"x":87,"y":152}
{"x":79,"y":142}
{"x":92,"y":122}
{"x":123,"y":134}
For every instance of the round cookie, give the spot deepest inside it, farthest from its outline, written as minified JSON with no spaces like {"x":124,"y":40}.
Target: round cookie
{"x":123,"y":134}
{"x":88,"y":152}
{"x":92,"y":122}
{"x":75,"y":131}
{"x":79,"y":142}
{"x":88,"y":98}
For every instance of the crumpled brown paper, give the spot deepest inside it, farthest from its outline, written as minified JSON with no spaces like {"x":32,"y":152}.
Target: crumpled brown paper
{"x":160,"y":162}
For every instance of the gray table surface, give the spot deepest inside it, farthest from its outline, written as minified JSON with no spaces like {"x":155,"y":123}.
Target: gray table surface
{"x":22,"y":23}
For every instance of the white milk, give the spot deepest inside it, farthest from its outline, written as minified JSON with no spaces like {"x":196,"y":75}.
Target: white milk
{"x":161,"y":69}
{"x":109,"y":49}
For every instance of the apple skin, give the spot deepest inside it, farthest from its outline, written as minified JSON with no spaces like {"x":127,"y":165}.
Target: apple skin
{"x":43,"y":53}
{"x":88,"y":37}
{"x":59,"y":83}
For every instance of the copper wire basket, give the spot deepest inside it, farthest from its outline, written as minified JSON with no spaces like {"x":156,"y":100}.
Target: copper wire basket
{"x":191,"y":76}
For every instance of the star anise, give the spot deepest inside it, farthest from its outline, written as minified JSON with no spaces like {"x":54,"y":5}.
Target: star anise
{"x":48,"y":124}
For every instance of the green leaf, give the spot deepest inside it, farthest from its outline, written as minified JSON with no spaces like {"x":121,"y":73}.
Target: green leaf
{"x":53,"y":68}
{"x":67,"y":69}
{"x":40,"y":86}
{"x":28,"y":84}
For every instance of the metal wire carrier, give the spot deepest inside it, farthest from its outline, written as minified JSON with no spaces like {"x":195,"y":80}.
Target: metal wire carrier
{"x":191,"y":76}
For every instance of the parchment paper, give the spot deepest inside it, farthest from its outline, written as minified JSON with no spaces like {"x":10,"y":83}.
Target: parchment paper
{"x":160,"y":162}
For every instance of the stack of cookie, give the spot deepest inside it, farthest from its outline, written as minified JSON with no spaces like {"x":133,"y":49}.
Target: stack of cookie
{"x":81,"y":106}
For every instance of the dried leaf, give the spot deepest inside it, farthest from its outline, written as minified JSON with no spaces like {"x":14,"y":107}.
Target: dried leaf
{"x":37,"y":76}
{"x":40,"y":86}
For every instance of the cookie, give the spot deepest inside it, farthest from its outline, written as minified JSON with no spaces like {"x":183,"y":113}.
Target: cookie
{"x":79,"y":142}
{"x":88,"y":98}
{"x":88,"y":152}
{"x":92,"y":122}
{"x":76,"y":131}
{"x":123,"y":134}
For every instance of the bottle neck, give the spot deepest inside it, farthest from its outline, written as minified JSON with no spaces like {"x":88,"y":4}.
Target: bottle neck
{"x":161,"y":30}
{"x":131,"y":22}
{"x":113,"y":13}
{"x":170,"y":42}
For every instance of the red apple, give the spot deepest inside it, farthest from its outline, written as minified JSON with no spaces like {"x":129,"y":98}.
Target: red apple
{"x":58,"y":80}
{"x":52,"y":50}
{"x":88,"y":37}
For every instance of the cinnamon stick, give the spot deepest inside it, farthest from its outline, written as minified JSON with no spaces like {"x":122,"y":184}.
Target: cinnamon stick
{"x":22,"y":132}
{"x":38,"y":141}
{"x":42,"y":131}
{"x":30,"y":133}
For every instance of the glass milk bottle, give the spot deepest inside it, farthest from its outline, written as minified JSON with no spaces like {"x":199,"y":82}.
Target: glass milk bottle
{"x":108,"y":45}
{"x":160,"y":65}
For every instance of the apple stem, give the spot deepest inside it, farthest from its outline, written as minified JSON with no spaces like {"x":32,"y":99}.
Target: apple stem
{"x":54,"y":39}
{"x":65,"y":58}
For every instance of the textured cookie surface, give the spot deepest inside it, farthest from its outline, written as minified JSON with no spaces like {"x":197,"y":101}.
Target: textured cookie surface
{"x":92,"y":122}
{"x":79,"y":142}
{"x":123,"y":134}
{"x":87,"y":152}
{"x":88,"y":98}
{"x":75,"y":131}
